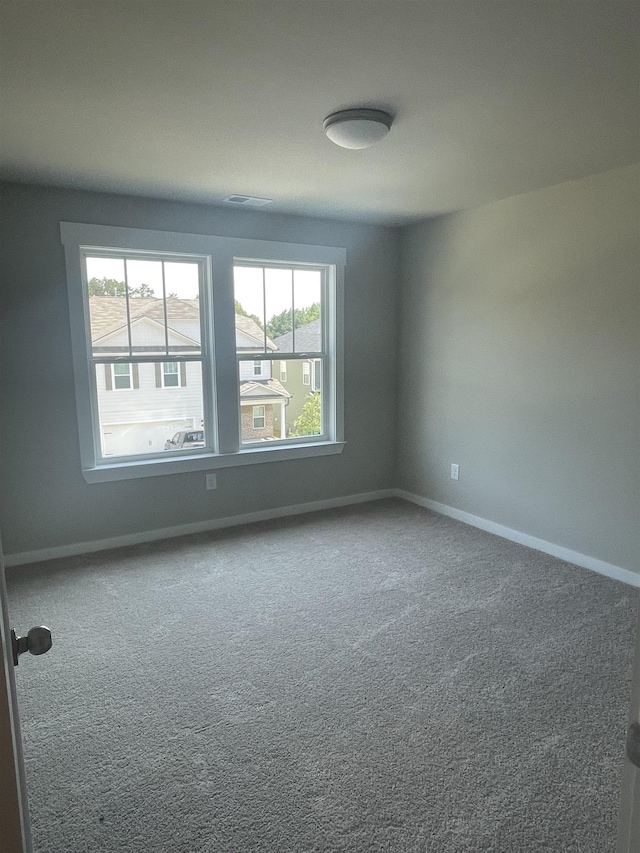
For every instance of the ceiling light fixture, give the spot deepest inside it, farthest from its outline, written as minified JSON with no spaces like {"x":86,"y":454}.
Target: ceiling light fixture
{"x":357,"y":128}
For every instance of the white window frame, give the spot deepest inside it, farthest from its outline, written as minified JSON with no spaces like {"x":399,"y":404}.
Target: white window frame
{"x":114,"y":387}
{"x":306,"y":373}
{"x":262,"y":417}
{"x":163,"y":373}
{"x":283,"y":371}
{"x":221,"y":391}
{"x":257,"y":368}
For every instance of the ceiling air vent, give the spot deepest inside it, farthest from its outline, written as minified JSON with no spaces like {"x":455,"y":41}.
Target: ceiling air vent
{"x":248,"y":200}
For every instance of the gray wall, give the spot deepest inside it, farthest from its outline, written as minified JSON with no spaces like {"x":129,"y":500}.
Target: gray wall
{"x":45,"y":500}
{"x":520,"y":360}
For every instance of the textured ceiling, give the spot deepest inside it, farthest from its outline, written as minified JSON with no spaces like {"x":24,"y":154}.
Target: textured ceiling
{"x":198,"y":100}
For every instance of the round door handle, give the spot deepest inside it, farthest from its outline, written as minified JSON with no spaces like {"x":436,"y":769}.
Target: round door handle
{"x":39,"y":640}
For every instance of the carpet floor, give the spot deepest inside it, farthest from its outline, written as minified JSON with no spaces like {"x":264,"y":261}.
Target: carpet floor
{"x":376,"y":678}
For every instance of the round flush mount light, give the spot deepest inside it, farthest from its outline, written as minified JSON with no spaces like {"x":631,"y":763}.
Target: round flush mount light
{"x":357,"y":128}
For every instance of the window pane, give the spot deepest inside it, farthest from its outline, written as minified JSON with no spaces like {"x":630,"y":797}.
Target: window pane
{"x":146,"y":307}
{"x":306,"y":415}
{"x":149,"y":322}
{"x":307,"y":298}
{"x":182,"y":285}
{"x":181,"y":280}
{"x":249,"y":299}
{"x":107,"y":306}
{"x":146,"y":418}
{"x":272,"y":299}
{"x":291,"y":400}
{"x":279,"y":304}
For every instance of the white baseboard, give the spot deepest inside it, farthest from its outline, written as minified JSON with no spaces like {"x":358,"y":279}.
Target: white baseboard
{"x":78,"y":548}
{"x":575,"y":557}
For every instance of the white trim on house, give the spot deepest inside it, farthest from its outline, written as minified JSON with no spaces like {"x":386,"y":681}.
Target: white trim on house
{"x":150,"y":321}
{"x":583,"y":560}
{"x":129,"y":375}
{"x":164,"y":373}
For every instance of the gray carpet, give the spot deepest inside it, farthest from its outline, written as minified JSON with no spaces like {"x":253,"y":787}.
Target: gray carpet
{"x":377,"y":678}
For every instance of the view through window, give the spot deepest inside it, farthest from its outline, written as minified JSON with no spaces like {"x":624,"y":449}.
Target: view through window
{"x":143,"y":311}
{"x":279,"y":315}
{"x":193,"y":352}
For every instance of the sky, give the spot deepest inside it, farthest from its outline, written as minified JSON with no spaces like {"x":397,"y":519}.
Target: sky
{"x":182,"y":280}
{"x":248,"y":284}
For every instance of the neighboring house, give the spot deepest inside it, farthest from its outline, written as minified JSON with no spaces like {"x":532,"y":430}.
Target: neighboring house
{"x":142,"y":405}
{"x":300,"y":377}
{"x":263,"y":399}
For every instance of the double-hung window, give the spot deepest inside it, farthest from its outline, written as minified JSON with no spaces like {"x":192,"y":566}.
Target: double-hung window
{"x":258,"y":417}
{"x":214,"y":320}
{"x":121,"y":375}
{"x":171,"y":374}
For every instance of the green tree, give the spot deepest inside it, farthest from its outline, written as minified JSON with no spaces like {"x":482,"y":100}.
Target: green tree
{"x":280,"y":324}
{"x":112,"y":287}
{"x":240,"y":310}
{"x":106,"y":287}
{"x":309,"y":421}
{"x":143,"y":290}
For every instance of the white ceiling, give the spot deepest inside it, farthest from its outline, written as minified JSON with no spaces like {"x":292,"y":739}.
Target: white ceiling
{"x":199,"y":99}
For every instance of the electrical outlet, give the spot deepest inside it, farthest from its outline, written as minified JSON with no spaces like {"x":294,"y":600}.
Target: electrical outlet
{"x":455,"y":471}
{"x":211,"y":481}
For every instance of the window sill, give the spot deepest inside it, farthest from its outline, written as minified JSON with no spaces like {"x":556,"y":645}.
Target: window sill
{"x":107,"y":473}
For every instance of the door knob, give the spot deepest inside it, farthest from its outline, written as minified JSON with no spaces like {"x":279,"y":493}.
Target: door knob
{"x":37,"y":642}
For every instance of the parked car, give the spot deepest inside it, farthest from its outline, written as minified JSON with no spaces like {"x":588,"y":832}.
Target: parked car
{"x":184,"y":439}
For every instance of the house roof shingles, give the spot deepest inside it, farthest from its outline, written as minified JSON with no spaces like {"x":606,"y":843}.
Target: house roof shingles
{"x":263,"y":388}
{"x":308,"y":338}
{"x":109,"y":314}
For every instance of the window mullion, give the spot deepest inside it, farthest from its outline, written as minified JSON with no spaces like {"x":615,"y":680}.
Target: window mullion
{"x":227,"y":388}
{"x":164,"y":312}
{"x":293,"y":314}
{"x":264,"y":310}
{"x":126,"y":298}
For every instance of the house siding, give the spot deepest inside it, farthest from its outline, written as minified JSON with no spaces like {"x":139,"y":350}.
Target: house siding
{"x":299,"y":393}
{"x":248,"y":432}
{"x":149,"y":403}
{"x":246,"y":370}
